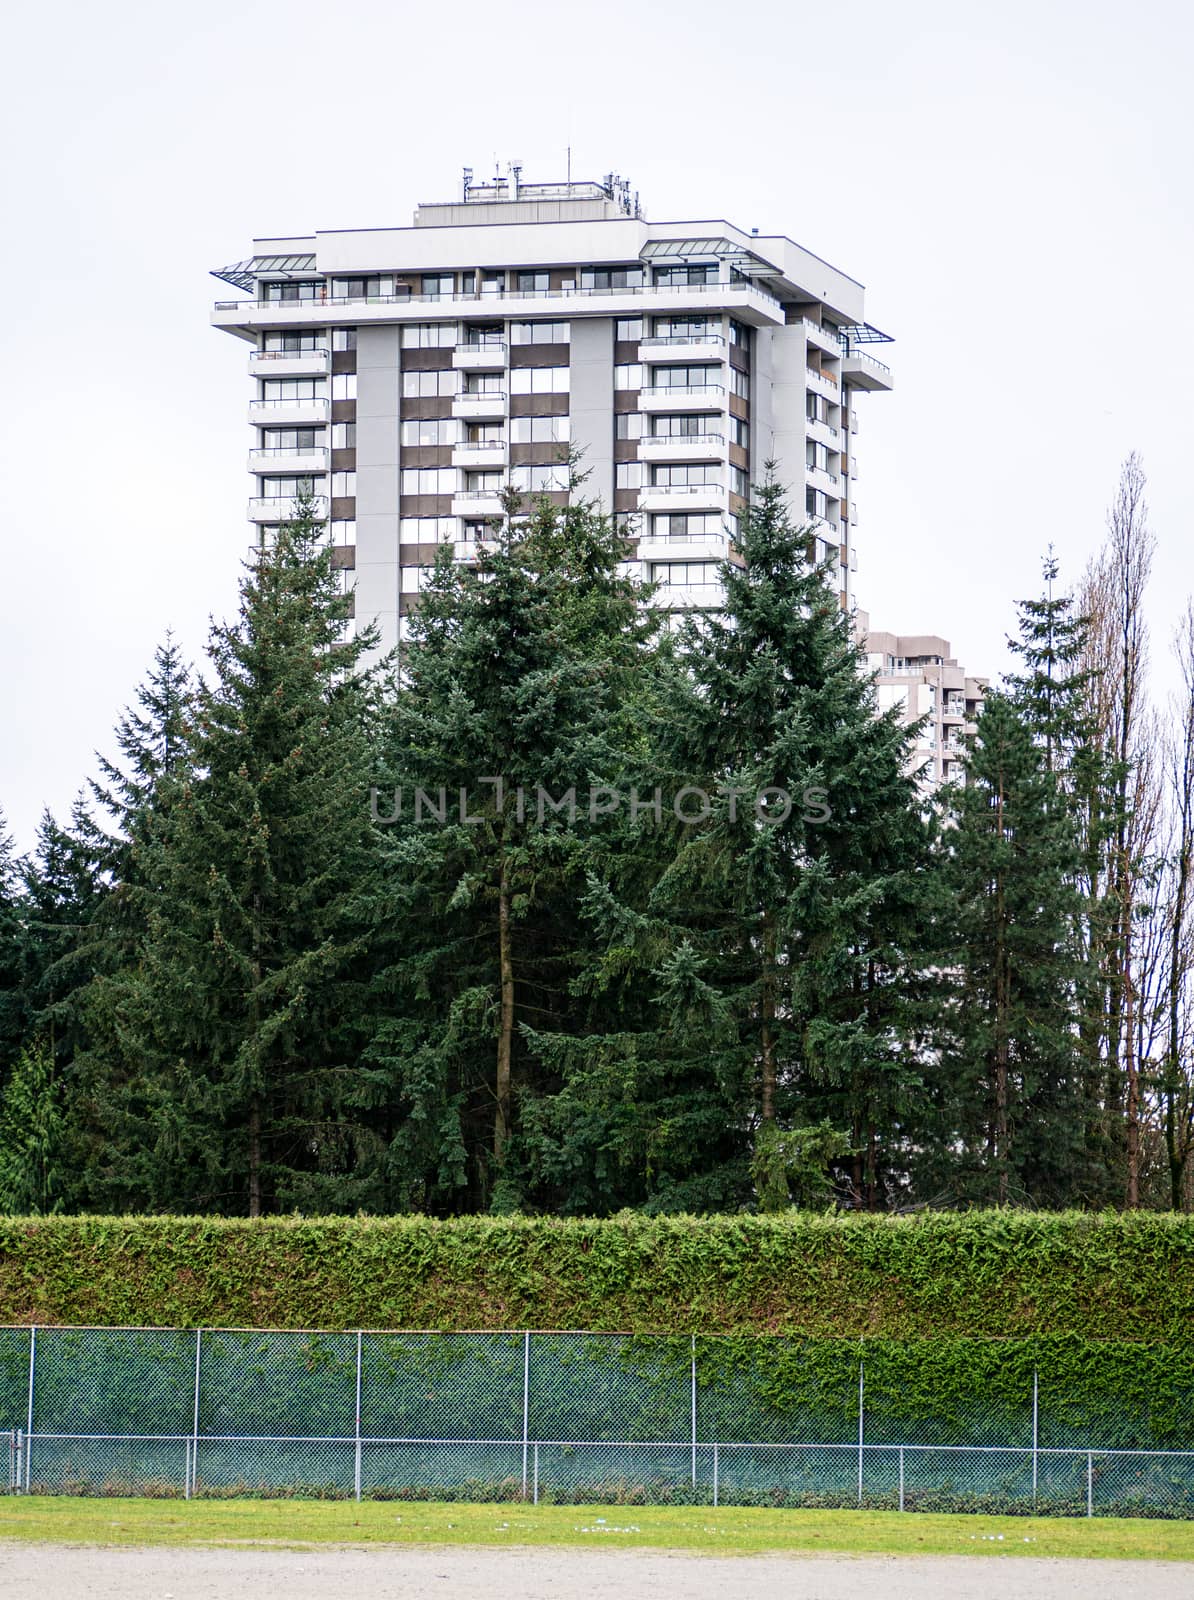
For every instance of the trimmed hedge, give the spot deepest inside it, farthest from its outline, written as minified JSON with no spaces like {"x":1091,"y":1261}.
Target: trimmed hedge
{"x":978,"y":1275}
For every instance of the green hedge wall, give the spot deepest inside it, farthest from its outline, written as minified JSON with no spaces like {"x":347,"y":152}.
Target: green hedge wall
{"x":978,"y":1275}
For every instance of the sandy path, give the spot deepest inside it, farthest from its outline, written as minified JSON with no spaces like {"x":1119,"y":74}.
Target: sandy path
{"x":55,"y":1572}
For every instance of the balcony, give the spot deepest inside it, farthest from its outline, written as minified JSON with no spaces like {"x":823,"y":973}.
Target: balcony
{"x":704,"y":397}
{"x":683,"y":347}
{"x":828,"y":482}
{"x":477,"y":503}
{"x":682,"y":447}
{"x":488,"y":453}
{"x":864,"y":372}
{"x":288,"y":413}
{"x":273,"y":458}
{"x":284,"y":508}
{"x":747,"y":301}
{"x":823,"y":432}
{"x":822,"y":337}
{"x":709,"y":547}
{"x":684,"y":497}
{"x":479,"y":357}
{"x":471,"y":550}
{"x":690,"y":597}
{"x":289,"y":363}
{"x":823,"y":383}
{"x":480,"y":406}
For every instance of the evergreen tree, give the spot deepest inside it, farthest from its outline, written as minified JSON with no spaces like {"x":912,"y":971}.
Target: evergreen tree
{"x":775,"y":944}
{"x":13,"y":1012}
{"x":514,"y":704}
{"x":244,"y":1017}
{"x":1008,"y":1086}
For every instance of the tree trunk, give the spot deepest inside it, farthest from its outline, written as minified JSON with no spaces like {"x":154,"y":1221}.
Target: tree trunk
{"x":255,"y":1156}
{"x":501,"y":1124}
{"x":767,"y":1031}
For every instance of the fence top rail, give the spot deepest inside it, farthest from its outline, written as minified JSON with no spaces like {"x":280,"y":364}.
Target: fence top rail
{"x":516,"y":1443}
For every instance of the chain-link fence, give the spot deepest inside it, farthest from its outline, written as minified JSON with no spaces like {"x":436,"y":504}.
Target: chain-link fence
{"x":582,"y":1418}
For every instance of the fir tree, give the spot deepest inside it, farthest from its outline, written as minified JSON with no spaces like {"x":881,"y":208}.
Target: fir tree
{"x":785,"y":924}
{"x":32,"y":1135}
{"x":244,"y":1018}
{"x":515,"y":688}
{"x":1009,"y":1084}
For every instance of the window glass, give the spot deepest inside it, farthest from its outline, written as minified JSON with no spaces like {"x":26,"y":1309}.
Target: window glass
{"x":611,"y":277}
{"x":629,"y":329}
{"x":628,"y":377}
{"x":531,"y":282}
{"x":539,"y":479}
{"x":429,"y":431}
{"x":539,"y":430}
{"x":428,"y":480}
{"x":539,"y":380}
{"x":539,"y":332}
{"x":426,"y":530}
{"x":628,"y":425}
{"x":428,"y":335}
{"x":421,"y":385}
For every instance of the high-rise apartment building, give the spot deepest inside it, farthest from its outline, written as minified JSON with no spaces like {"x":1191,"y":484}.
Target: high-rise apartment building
{"x":405,"y":376}
{"x":917,"y":673}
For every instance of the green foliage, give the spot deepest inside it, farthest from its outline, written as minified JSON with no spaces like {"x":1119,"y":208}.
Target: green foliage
{"x":931,"y":1276}
{"x":32,"y":1176}
{"x":790,"y":1164}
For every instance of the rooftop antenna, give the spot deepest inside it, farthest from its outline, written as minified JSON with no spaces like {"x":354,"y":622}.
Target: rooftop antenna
{"x":569,"y":166}
{"x":515,"y":178}
{"x":468,"y":180}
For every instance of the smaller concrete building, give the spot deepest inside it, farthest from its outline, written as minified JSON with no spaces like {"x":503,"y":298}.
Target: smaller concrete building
{"x":918,"y":673}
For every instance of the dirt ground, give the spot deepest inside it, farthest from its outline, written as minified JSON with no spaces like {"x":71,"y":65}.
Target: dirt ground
{"x":56,"y":1572}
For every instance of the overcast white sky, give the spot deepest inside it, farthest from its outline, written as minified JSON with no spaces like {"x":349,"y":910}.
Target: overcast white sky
{"x":1012,"y":183}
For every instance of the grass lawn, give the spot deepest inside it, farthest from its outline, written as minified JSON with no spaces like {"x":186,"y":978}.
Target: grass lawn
{"x":724,"y":1532}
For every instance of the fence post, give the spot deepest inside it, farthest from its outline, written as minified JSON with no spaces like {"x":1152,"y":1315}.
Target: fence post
{"x":29,"y":1427}
{"x":1035,"y":1435}
{"x":356,"y":1470}
{"x":186,"y":1468}
{"x":901,"y":1477}
{"x":716,"y":1464}
{"x":195,"y":1416}
{"x":1089,"y":1484}
{"x":694,"y":1412}
{"x":526,"y":1404}
{"x":536,"y":1492}
{"x":861,"y":1393}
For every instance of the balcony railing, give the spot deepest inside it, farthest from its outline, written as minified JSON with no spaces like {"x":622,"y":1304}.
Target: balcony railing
{"x":828,"y":377}
{"x":275,"y":453}
{"x":480,"y":347}
{"x":683,"y":488}
{"x":685,"y":338}
{"x":692,"y":440}
{"x":478,"y":444}
{"x":678,"y":389}
{"x":291,"y":402}
{"x":684,"y":290}
{"x":288,"y":355}
{"x":480,"y":394}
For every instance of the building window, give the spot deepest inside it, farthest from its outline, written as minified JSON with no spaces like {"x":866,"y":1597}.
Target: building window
{"x":739,"y":334}
{"x":437,"y":284}
{"x":539,"y":332}
{"x":740,"y":384}
{"x":686,"y":377}
{"x":428,"y":480}
{"x":292,"y":439}
{"x":677,"y":277}
{"x":682,"y":426}
{"x":539,"y":479}
{"x":539,"y":380}
{"x":628,"y":425}
{"x":344,"y":338}
{"x":423,"y":385}
{"x":687,"y":328}
{"x":294,"y":390}
{"x":739,"y":483}
{"x":294,"y":343}
{"x":485,"y":383}
{"x":531,"y":282}
{"x":484,"y":433}
{"x":688,"y":525}
{"x":740,"y":432}
{"x":286,"y":488}
{"x":687,"y":473}
{"x":280,"y":292}
{"x":429,"y":431}
{"x":628,"y":475}
{"x":344,"y":386}
{"x":344,"y":484}
{"x":628,"y":377}
{"x":344,"y":532}
{"x":426,"y":530}
{"x":344,"y":435}
{"x":428,"y":335}
{"x":628,"y":330}
{"x":685,"y":574}
{"x":483,"y":482}
{"x":539,"y":430}
{"x":611,"y":277}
